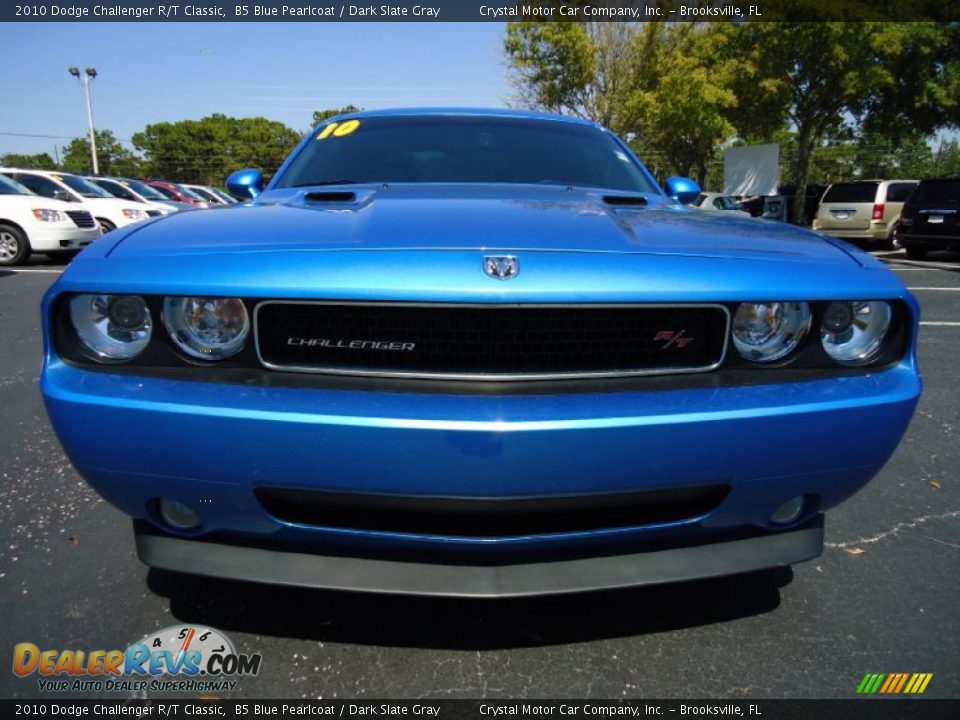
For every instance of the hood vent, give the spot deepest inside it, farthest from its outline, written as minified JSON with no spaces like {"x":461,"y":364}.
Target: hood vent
{"x":330,"y":197}
{"x":625,"y":200}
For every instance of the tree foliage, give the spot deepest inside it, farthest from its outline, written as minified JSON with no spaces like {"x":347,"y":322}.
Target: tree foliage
{"x":39,"y":161}
{"x":662,"y":86}
{"x":822,"y":80}
{"x":320,"y":115}
{"x":112,"y":157}
{"x":205,"y":151}
{"x":843,"y":99}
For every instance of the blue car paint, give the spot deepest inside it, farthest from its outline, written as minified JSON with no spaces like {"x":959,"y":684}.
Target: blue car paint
{"x":209,"y":444}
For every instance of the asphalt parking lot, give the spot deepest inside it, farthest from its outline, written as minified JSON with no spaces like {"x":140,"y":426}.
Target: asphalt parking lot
{"x":883,"y":597}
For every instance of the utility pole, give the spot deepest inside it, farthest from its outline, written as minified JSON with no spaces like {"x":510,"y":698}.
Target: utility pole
{"x":88,"y":75}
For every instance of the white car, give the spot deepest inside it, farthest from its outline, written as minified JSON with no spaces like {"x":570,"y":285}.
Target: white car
{"x":719,"y":203}
{"x":122,"y":189}
{"x":32,"y":224}
{"x":110,"y":212}
{"x":210,"y":194}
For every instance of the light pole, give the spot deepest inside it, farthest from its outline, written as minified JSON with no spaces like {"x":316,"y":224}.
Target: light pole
{"x":88,"y":75}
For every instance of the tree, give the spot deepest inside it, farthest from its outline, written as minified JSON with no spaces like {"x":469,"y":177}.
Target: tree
{"x":946,"y":161}
{"x":827,"y":77}
{"x":665,"y":87}
{"x":40,"y":161}
{"x":320,"y":115}
{"x":580,"y":69}
{"x":205,"y":151}
{"x":684,"y":112}
{"x":112,"y":157}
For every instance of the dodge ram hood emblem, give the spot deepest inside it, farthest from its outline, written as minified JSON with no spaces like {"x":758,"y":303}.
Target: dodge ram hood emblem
{"x":501,"y":267}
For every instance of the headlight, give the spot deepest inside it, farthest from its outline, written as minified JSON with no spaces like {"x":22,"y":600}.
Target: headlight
{"x":45,"y":215}
{"x":134,"y":214}
{"x":768,"y":331}
{"x":115,"y":328}
{"x":206,"y":328}
{"x":852,"y":332}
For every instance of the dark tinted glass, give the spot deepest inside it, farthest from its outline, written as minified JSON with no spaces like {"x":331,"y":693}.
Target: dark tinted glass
{"x":164,"y":191}
{"x":938,"y":191}
{"x":39,"y":185}
{"x":860,"y":192}
{"x":443,"y":149}
{"x":116,"y":189}
{"x":897,"y":192}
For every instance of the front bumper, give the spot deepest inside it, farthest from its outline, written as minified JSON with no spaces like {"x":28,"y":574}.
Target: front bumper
{"x":365,"y":574}
{"x":59,"y":239}
{"x":211,"y":445}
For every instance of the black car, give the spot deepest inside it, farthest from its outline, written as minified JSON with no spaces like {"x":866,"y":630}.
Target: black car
{"x":930,"y":219}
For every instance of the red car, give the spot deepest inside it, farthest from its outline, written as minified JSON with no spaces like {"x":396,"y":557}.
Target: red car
{"x":178,"y":192}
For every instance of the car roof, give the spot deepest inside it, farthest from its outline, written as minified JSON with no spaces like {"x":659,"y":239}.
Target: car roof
{"x":31,"y":171}
{"x":466,"y":112}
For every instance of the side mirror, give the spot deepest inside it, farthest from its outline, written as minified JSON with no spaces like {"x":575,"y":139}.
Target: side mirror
{"x":62,"y":195}
{"x":245,"y":184}
{"x":681,"y":189}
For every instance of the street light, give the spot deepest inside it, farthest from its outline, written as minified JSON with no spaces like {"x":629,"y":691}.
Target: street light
{"x":88,"y":75}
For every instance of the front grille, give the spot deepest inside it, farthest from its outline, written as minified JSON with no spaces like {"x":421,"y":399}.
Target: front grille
{"x":154,"y":213}
{"x":81,"y":218}
{"x":488,"y":517}
{"x":490,"y":342}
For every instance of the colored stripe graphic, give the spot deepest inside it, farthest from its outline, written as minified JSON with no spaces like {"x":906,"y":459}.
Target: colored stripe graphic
{"x":894,"y":683}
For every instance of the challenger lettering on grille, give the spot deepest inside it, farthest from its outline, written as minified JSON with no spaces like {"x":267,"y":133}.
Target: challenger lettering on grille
{"x":394,"y":345}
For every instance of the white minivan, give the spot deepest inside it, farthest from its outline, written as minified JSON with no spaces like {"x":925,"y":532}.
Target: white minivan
{"x":33,"y":224}
{"x":110,"y":212}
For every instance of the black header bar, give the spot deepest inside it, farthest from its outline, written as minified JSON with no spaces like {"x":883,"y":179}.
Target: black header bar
{"x":479,"y":11}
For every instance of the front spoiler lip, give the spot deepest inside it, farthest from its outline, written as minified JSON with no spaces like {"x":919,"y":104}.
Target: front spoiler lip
{"x":362,"y":574}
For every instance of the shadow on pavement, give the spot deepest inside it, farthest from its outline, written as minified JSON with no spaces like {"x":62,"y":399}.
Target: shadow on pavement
{"x":468,"y":624}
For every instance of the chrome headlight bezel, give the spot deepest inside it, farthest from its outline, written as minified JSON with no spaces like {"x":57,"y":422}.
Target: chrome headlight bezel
{"x":865,"y":336}
{"x":188,"y":321}
{"x":106,"y":325}
{"x":769,"y":332}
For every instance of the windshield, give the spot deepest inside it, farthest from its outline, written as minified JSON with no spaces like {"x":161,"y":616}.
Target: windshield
{"x":223,"y":196}
{"x":187,"y":192}
{"x":116,"y":189}
{"x":82,"y":187}
{"x":445,"y":149}
{"x":150,"y":193}
{"x":725,"y":202}
{"x":12,"y":187}
{"x":204,"y":194}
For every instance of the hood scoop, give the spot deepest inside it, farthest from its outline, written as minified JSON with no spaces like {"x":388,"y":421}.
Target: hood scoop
{"x":625,"y":200}
{"x":330,"y":196}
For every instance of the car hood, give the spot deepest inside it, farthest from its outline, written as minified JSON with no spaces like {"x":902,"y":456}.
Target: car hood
{"x":38,"y":201}
{"x":492,"y":218}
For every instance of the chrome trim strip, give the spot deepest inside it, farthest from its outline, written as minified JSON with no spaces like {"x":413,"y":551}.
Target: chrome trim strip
{"x":489,"y":377}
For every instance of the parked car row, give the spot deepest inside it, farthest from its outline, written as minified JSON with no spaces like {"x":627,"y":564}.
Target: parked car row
{"x":918,"y":215}
{"x":57,"y":213}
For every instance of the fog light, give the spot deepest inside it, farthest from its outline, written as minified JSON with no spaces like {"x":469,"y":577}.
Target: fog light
{"x":177,"y":515}
{"x":789,"y":511}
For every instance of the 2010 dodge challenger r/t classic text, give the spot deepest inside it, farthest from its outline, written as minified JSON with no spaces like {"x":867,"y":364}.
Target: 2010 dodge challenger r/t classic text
{"x":475,"y":353}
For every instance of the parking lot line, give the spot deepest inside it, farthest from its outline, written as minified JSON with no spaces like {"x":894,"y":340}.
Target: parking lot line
{"x":940,"y":323}
{"x":55,"y":271}
{"x":936,"y":289}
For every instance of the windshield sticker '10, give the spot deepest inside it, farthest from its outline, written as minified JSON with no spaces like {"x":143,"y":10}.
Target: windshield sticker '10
{"x":338,"y":129}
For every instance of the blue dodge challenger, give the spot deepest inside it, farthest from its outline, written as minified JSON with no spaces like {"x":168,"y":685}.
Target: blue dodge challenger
{"x":475,"y":353}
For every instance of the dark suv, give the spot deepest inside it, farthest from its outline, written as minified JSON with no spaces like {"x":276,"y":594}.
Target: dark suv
{"x":930,"y":219}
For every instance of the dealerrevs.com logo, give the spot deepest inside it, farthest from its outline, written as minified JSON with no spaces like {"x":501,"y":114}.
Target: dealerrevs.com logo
{"x":183,"y":658}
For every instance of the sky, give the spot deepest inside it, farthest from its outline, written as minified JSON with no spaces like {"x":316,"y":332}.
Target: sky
{"x":153,"y":72}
